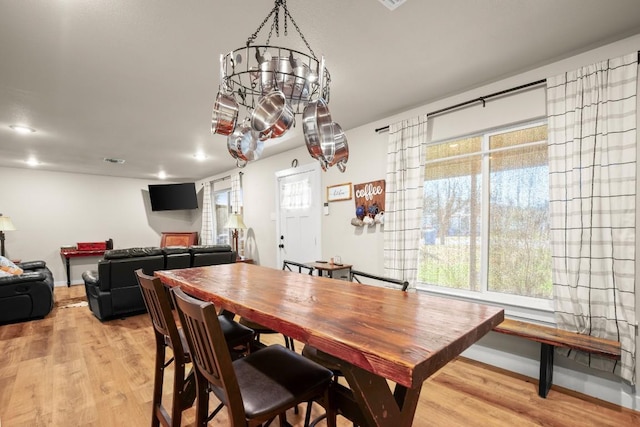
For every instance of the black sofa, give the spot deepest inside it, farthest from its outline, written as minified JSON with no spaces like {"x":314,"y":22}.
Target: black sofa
{"x":113,"y":291}
{"x":28,"y":295}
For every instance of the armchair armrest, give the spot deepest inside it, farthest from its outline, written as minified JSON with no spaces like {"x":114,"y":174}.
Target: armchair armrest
{"x":31,"y":265}
{"x":22,"y":278}
{"x":91,"y":277}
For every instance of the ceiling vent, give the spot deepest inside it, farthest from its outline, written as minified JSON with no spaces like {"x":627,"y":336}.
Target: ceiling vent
{"x":116,"y":161}
{"x":392,"y":4}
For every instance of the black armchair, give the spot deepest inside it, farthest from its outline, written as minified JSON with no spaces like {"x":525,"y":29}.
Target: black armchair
{"x":28,"y":295}
{"x":112,"y":290}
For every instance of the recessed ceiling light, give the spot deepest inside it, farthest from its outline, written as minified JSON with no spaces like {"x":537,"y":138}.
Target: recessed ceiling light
{"x":22,"y":129}
{"x":162,"y":175}
{"x":200,"y":156}
{"x":32,"y":161}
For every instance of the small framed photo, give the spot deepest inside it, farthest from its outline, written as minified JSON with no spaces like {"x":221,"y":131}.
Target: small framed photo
{"x":339,"y":192}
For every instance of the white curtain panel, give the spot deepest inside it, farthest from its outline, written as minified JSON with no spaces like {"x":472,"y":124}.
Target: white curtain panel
{"x":208,"y":219}
{"x":236,"y":204}
{"x":592,"y":166}
{"x":236,"y":192}
{"x":403,"y":201}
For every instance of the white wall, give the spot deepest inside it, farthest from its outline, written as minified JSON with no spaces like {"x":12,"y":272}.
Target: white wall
{"x":52,"y":209}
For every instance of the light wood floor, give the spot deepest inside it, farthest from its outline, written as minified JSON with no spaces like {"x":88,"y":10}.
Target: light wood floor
{"x":71,"y":370}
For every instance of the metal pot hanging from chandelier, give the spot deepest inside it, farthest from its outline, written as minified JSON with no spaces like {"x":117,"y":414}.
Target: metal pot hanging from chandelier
{"x":271,"y":85}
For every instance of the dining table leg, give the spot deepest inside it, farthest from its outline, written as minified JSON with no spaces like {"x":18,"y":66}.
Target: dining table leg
{"x":379,"y":405}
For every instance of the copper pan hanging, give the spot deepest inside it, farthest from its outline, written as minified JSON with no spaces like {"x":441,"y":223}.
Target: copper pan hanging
{"x":318,"y":131}
{"x":225,"y":109}
{"x":341,"y":156}
{"x":273,"y":115}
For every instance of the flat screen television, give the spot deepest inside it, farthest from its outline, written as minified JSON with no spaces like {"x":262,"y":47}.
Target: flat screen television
{"x":168,"y":197}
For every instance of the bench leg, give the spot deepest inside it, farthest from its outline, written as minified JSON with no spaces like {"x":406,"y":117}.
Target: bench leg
{"x":546,"y":369}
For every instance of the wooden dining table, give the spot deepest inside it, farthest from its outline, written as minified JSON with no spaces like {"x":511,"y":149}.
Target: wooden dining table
{"x":377,"y":334}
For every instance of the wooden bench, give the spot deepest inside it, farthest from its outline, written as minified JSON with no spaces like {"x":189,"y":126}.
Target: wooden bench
{"x":550,"y":337}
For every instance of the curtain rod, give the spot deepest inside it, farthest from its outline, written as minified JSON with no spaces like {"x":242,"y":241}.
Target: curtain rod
{"x":223,"y":178}
{"x":218,"y":179}
{"x":478,"y":99}
{"x":482,"y":99}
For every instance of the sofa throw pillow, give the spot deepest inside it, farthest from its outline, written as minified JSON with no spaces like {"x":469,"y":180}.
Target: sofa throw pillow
{"x":5,"y":274}
{"x":9,"y":267}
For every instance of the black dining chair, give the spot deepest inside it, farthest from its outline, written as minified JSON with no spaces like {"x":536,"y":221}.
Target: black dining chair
{"x":255,"y":389}
{"x":168,"y":334}
{"x":260,"y":329}
{"x":329,"y":361}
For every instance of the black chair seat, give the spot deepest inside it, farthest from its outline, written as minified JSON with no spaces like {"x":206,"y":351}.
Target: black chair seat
{"x":275,"y":377}
{"x":235,"y":333}
{"x":326,"y":360}
{"x":257,"y":327}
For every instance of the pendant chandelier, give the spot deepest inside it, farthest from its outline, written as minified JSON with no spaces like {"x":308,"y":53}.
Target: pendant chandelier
{"x":266,"y":87}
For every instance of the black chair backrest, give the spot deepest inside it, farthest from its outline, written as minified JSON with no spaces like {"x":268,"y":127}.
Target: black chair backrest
{"x":209,"y":350}
{"x":287,"y":265}
{"x":156,"y":298}
{"x":357,"y":275}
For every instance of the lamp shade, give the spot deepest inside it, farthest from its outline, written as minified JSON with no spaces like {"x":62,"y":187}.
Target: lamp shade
{"x":235,"y":221}
{"x":6,"y":224}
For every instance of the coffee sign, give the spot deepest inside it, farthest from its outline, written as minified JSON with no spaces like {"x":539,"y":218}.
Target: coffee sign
{"x":369,"y":198}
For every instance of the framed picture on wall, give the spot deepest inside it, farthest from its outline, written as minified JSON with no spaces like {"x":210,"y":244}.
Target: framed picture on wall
{"x":339,"y":192}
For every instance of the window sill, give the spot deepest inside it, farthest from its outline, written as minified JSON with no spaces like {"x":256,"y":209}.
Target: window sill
{"x":539,"y":312}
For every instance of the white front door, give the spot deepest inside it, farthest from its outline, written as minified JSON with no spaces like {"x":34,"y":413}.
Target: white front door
{"x":299,"y":210}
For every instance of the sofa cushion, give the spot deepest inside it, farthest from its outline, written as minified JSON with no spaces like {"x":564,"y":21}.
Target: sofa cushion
{"x":199,"y":249}
{"x":32,"y":265}
{"x":176,"y":257}
{"x":131,"y":252}
{"x":170,"y":250}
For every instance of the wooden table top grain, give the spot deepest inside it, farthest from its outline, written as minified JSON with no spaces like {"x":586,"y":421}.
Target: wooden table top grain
{"x":400,"y":336}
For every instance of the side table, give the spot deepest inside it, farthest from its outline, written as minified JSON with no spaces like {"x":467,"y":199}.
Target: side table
{"x":329,"y":268}
{"x":67,"y":254}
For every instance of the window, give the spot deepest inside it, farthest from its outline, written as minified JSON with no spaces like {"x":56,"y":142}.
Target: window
{"x":296,"y":195}
{"x":485,"y":227}
{"x":222,"y":203}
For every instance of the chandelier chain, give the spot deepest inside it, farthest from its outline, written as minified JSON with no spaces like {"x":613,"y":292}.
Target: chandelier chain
{"x":253,"y":36}
{"x":275,"y":25}
{"x":293,"y":21}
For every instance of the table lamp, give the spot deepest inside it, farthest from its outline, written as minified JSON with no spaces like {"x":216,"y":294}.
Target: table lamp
{"x":5,"y":225}
{"x":235,"y":223}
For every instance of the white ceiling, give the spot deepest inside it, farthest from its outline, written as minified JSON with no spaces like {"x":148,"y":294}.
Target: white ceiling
{"x":136,"y":79}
